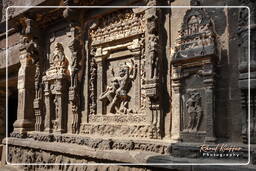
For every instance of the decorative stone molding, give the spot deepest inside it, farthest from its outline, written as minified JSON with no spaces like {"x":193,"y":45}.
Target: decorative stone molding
{"x":98,"y":143}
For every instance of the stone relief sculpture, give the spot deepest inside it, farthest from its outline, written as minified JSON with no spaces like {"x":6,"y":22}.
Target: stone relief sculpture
{"x":55,"y":90}
{"x":58,"y":61}
{"x":194,"y":111}
{"x":194,"y":61}
{"x":117,"y":92}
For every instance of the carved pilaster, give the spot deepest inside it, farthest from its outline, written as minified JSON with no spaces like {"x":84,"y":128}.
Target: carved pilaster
{"x":28,"y":56}
{"x":38,"y":101}
{"x":208,"y":81}
{"x":176,"y":104}
{"x":75,"y":47}
{"x":100,"y":104}
{"x":48,"y":109}
{"x":153,"y":62}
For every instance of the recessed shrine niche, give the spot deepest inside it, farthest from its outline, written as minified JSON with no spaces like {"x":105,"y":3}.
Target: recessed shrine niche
{"x":117,"y":100}
{"x":193,"y":78}
{"x":56,"y":82}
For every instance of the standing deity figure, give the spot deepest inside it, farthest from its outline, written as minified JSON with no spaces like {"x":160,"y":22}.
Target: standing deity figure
{"x":194,"y":111}
{"x":117,"y":92}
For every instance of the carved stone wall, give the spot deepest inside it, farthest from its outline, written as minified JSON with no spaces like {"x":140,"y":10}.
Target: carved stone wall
{"x":93,"y":84}
{"x":243,"y":34}
{"x":193,"y":77}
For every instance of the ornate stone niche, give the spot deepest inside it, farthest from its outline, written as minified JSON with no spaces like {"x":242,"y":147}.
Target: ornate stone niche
{"x":193,"y":79}
{"x":56,"y":91}
{"x":117,"y":100}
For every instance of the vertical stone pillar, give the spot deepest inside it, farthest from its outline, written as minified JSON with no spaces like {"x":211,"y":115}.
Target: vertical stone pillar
{"x":38,"y":100}
{"x":210,"y":102}
{"x":28,"y":55}
{"x":61,"y":108}
{"x":153,"y":68}
{"x":176,"y":105}
{"x":48,"y":108}
{"x":100,"y":104}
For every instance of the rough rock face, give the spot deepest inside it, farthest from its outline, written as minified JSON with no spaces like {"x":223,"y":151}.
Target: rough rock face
{"x":128,"y":85}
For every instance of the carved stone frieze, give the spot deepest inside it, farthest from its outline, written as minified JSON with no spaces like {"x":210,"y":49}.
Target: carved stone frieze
{"x":115,"y":130}
{"x":117,"y":26}
{"x":98,"y":143}
{"x":122,"y":118}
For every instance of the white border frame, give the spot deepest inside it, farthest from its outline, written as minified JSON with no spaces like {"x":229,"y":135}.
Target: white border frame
{"x":131,"y":164}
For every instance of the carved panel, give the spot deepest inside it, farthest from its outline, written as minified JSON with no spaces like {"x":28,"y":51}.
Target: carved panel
{"x":193,"y":77}
{"x":117,"y":72}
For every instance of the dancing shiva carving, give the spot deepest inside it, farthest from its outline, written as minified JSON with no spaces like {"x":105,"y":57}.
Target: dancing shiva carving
{"x":116,"y":93}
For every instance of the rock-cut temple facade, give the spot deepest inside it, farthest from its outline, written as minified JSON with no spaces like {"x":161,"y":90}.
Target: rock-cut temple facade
{"x":125,"y":84}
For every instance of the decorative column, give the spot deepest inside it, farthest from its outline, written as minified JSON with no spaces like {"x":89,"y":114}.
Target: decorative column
{"x":243,"y":29}
{"x":38,"y":101}
{"x":153,"y":68}
{"x":100,"y":75}
{"x":208,"y":81}
{"x":176,"y":103}
{"x":28,"y":56}
{"x":48,"y":109}
{"x":75,"y":47}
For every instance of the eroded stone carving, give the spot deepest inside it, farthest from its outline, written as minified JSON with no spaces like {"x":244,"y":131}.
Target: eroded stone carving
{"x":196,"y":37}
{"x":17,"y":154}
{"x":55,"y":90}
{"x":117,"y":26}
{"x":98,"y":143}
{"x":194,"y":111}
{"x":117,"y":92}
{"x":58,"y":61}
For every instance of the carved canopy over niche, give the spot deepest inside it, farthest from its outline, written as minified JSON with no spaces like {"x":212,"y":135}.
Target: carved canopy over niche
{"x":116,"y":99}
{"x":196,"y":37}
